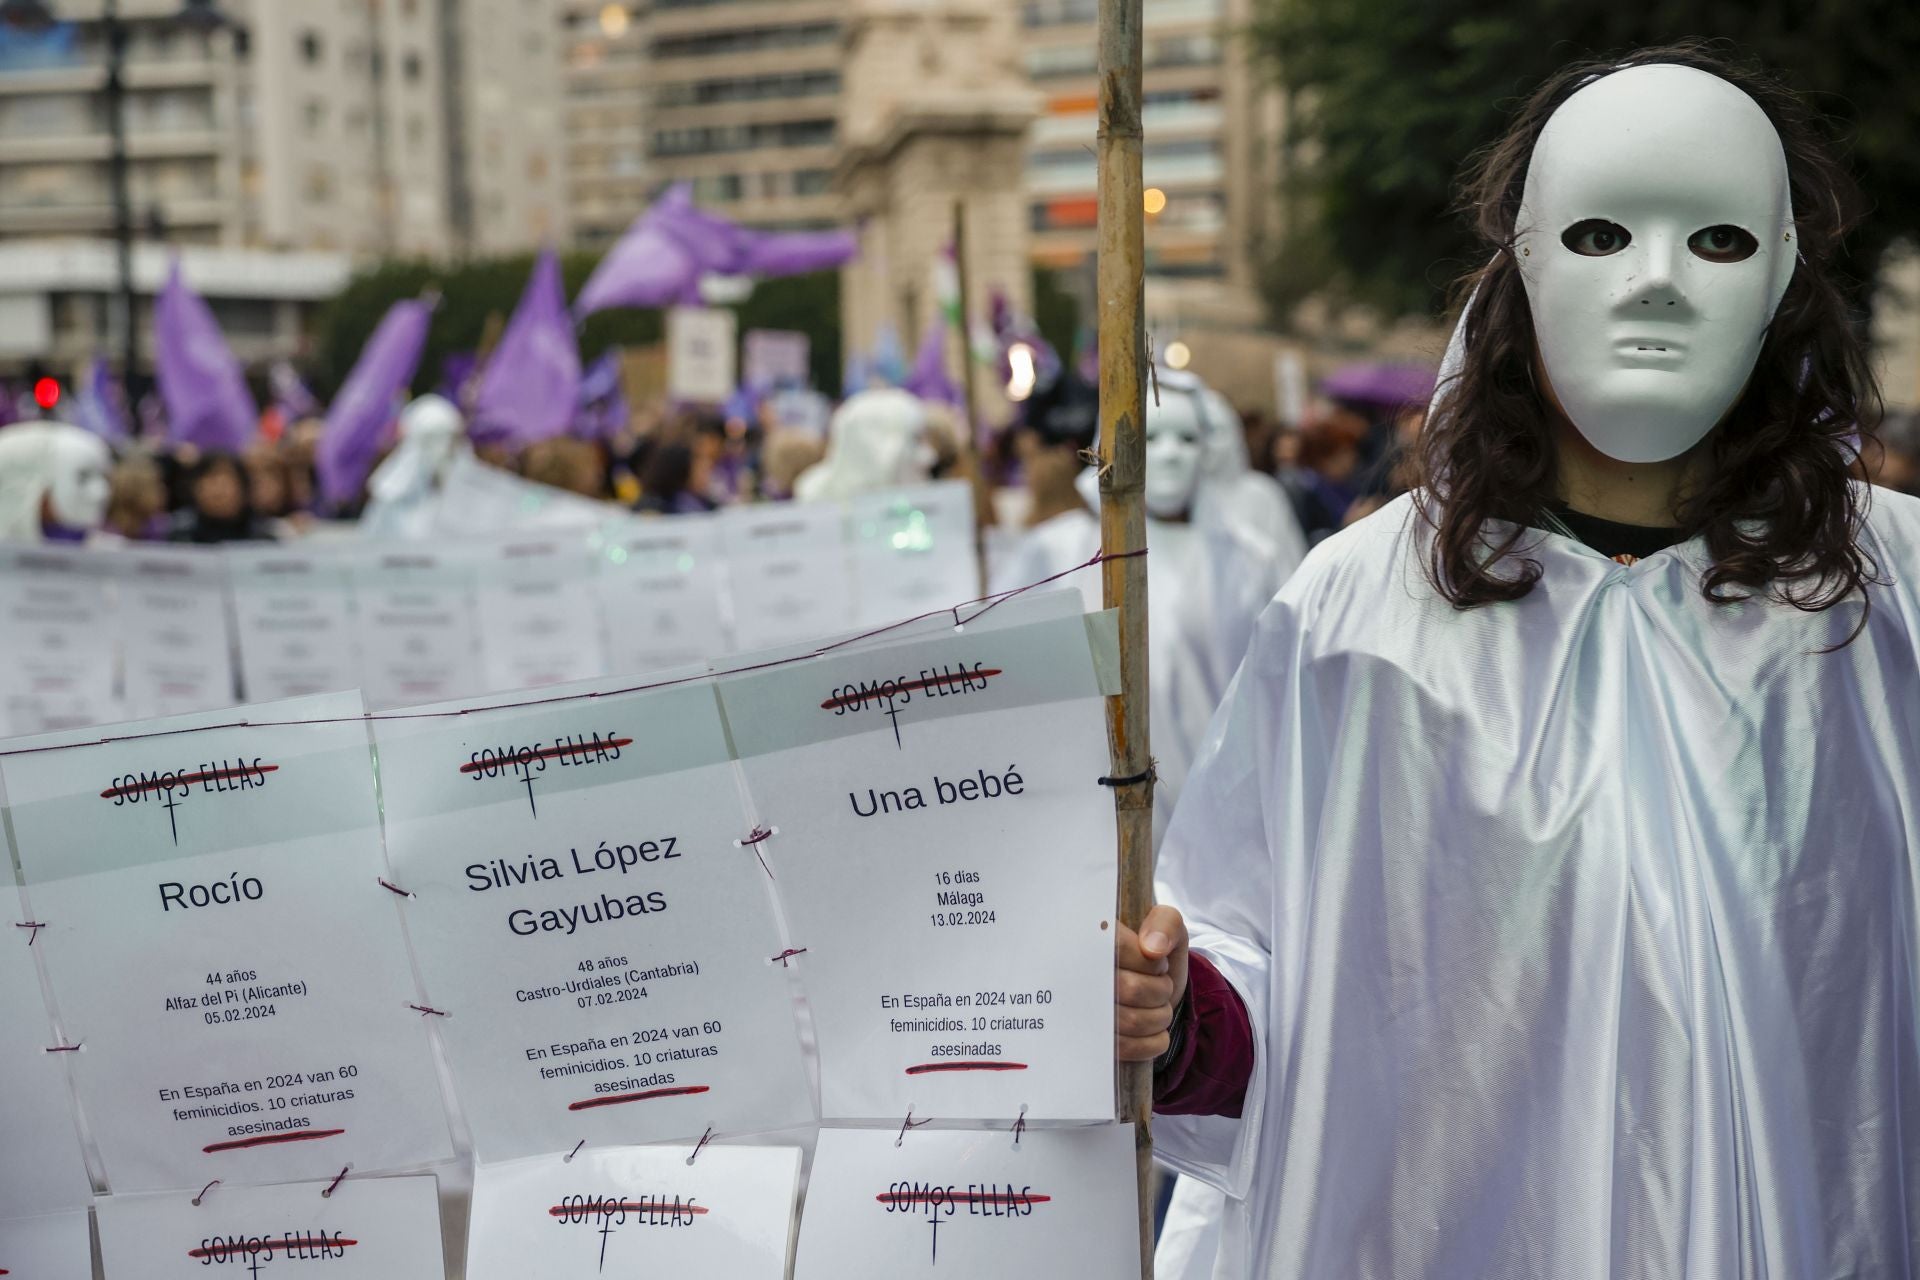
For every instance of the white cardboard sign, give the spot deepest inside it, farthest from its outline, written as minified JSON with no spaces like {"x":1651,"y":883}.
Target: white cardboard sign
{"x":538,"y":624}
{"x":608,"y":952}
{"x":220,"y":948}
{"x":171,"y":615}
{"x":414,"y":618}
{"x":294,"y":616}
{"x":700,"y":354}
{"x":787,"y":563}
{"x":882,"y":1206}
{"x":946,"y":857}
{"x":913,"y":551}
{"x":662,"y":587}
{"x":57,"y":631}
{"x":636,"y":1211}
{"x":366,"y":1229}
{"x":41,"y":1168}
{"x":55,"y":1247}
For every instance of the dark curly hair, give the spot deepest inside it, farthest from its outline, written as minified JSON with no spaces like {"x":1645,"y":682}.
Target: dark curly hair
{"x":1774,"y":505}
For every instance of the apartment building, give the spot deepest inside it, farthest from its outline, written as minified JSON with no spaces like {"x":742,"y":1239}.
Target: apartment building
{"x":605,"y":142}
{"x":742,"y":102}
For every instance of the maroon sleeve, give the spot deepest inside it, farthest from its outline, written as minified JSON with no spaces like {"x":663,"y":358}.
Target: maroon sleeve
{"x":1213,"y":1061}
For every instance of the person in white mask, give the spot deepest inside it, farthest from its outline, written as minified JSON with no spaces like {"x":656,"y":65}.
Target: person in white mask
{"x":1543,"y":902}
{"x":402,"y":489}
{"x":53,"y":482}
{"x":876,"y":440}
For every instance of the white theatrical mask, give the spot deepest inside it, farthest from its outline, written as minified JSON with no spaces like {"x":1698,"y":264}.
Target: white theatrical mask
{"x":1655,"y":238}
{"x":77,"y":484}
{"x":1176,"y":449}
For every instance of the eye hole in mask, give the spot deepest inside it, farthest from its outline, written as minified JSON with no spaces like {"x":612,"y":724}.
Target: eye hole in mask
{"x":1596,"y":238}
{"x":1724,"y":243}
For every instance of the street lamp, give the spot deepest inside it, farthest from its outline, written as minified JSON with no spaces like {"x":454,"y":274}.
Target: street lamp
{"x":204,"y":16}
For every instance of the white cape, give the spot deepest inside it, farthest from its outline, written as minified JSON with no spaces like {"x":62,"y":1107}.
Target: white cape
{"x":1581,"y":935}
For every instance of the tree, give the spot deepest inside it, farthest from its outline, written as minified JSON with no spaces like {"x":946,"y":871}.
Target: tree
{"x":472,"y":292}
{"x":1390,"y":96}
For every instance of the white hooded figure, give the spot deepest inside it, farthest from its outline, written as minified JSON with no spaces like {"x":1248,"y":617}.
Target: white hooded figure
{"x":53,"y":481}
{"x":876,"y":440}
{"x":1252,"y":501}
{"x":1576,"y":932}
{"x":1210,"y":571}
{"x":402,"y":489}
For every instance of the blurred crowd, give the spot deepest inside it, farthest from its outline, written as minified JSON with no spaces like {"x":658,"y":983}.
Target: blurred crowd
{"x":1352,"y":453}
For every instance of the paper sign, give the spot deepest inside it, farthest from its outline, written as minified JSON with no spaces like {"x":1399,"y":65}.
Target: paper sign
{"x":538,"y":623}
{"x":946,"y":857}
{"x":221,"y":951}
{"x":787,"y":570}
{"x":294,"y":615}
{"x":56,"y":631}
{"x":56,"y":1247}
{"x":775,"y":358}
{"x":700,"y":355}
{"x":931,"y":1202}
{"x":41,"y":1168}
{"x":913,"y":551}
{"x":366,"y":1229}
{"x":171,"y":617}
{"x":607,"y":949}
{"x":636,"y":1211}
{"x":661,"y":588}
{"x":415,"y":625}
{"x":479,"y":500}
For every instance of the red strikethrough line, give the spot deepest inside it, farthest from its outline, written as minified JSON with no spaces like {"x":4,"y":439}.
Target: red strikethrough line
{"x":272,"y":1139}
{"x":962,"y":1197}
{"x":630,"y":1206}
{"x":930,"y":1068}
{"x":166,"y":781}
{"x":615,"y":1100}
{"x":908,"y":686}
{"x":545,"y":753}
{"x":259,"y":1246}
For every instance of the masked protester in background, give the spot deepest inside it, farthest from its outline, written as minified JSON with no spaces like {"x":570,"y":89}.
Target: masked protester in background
{"x":875,"y":440}
{"x":1551,"y":866}
{"x":402,"y":490}
{"x":53,"y":482}
{"x":219,"y":507}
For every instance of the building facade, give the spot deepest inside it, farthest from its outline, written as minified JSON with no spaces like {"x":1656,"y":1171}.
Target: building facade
{"x":605,"y":133}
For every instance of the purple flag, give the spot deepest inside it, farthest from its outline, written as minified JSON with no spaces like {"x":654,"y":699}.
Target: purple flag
{"x":795,"y":253}
{"x":367,"y":401}
{"x":531,"y":384}
{"x":208,"y":404}
{"x":100,"y":407}
{"x":929,"y":379}
{"x":602,"y":413}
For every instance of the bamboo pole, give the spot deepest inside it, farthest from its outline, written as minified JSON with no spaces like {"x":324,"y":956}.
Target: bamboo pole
{"x":1123,"y":516}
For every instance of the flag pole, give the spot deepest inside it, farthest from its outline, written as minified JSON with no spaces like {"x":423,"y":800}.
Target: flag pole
{"x":1123,"y":517}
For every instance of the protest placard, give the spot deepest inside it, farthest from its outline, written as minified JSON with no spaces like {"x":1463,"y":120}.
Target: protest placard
{"x":945,"y":855}
{"x":232,"y":975}
{"x":931,"y":1202}
{"x":293,"y":612}
{"x":607,"y":948}
{"x":353,"y":1229}
{"x":414,"y":624}
{"x":41,"y":1168}
{"x":56,"y":628}
{"x":538,"y":621}
{"x":662,"y":591}
{"x":176,"y":645}
{"x":636,"y":1210}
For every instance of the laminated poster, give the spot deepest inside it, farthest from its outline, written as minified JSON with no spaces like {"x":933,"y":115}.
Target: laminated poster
{"x":294,"y":615}
{"x":636,"y":1211}
{"x":54,"y":1247}
{"x":41,"y":1168}
{"x":913,"y":551}
{"x":220,"y":949}
{"x":787,"y":563}
{"x":414,"y":621}
{"x":538,"y":623}
{"x":662,"y":587}
{"x":943,"y":1202}
{"x":363,"y":1229}
{"x":605,"y":948}
{"x":945,"y":856}
{"x":56,"y":628}
{"x":171,"y":615}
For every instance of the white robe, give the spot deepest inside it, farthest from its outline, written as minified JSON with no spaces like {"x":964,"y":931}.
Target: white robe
{"x":1580,"y":935}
